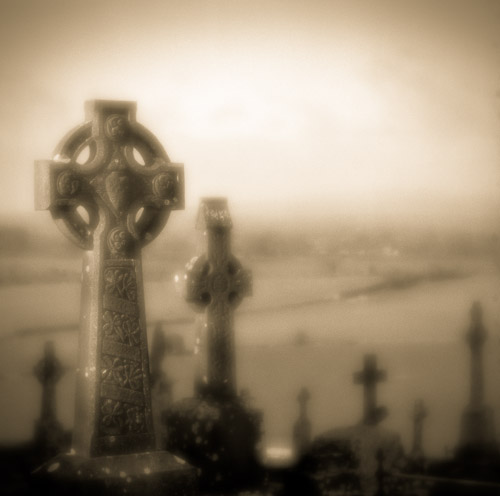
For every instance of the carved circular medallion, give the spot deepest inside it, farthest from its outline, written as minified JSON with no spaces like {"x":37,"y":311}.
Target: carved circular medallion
{"x":220,"y":283}
{"x":164,"y":185}
{"x":116,"y":127}
{"x":119,"y":240}
{"x":67,"y":184}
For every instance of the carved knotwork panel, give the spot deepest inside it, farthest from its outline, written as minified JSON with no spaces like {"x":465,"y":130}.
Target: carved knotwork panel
{"x":123,"y":407}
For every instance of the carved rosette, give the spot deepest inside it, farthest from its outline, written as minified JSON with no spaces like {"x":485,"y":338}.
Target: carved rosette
{"x":116,"y":127}
{"x":67,"y":184}
{"x":123,"y":408}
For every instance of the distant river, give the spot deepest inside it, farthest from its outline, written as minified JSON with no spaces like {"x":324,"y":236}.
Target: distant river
{"x":417,"y":333}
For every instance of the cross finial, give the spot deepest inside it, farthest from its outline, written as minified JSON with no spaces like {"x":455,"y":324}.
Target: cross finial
{"x":216,"y":284}
{"x":369,"y":377}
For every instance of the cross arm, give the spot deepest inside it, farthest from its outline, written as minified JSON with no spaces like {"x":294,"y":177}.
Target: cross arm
{"x":61,"y":189}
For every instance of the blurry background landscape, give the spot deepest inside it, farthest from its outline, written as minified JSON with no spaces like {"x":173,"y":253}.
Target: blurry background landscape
{"x":357,"y":144}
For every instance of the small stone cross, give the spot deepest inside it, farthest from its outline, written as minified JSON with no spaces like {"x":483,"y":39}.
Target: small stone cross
{"x":419,"y":415}
{"x":369,"y":377}
{"x":215,"y":283}
{"x":48,"y":371}
{"x":476,"y":338}
{"x":110,"y":188}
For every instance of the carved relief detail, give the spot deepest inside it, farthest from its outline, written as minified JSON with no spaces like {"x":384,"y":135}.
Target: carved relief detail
{"x":122,"y":408}
{"x":122,"y":372}
{"x":165,"y":185}
{"x":119,"y":190}
{"x":121,"y":283}
{"x":122,"y":328}
{"x":116,"y":127}
{"x":119,"y":418}
{"x":67,"y":184}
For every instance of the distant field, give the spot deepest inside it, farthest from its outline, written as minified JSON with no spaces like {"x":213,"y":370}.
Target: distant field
{"x":417,"y":331}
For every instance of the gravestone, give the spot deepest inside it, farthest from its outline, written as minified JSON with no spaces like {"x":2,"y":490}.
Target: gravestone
{"x":110,"y":189}
{"x":349,"y":456}
{"x":369,"y":377}
{"x":478,"y":432}
{"x":49,"y":436}
{"x":419,"y":415}
{"x":216,"y":430}
{"x":302,"y":426}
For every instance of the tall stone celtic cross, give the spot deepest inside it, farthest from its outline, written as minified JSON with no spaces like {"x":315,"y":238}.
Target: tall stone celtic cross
{"x":215,"y":283}
{"x":110,"y":189}
{"x":369,"y":377}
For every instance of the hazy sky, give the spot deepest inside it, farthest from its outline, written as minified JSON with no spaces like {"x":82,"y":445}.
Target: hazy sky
{"x":380,"y":109}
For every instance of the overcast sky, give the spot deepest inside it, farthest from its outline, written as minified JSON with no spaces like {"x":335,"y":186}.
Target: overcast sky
{"x":377,"y":109}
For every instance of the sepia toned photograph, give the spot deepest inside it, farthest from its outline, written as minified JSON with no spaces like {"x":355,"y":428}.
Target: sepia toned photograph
{"x":250,"y":248}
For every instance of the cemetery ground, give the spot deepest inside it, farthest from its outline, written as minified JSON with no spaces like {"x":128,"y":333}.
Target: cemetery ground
{"x":307,"y":324}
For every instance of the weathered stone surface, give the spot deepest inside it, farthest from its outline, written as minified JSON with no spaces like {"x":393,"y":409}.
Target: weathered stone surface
{"x":369,"y":377}
{"x":110,"y":189}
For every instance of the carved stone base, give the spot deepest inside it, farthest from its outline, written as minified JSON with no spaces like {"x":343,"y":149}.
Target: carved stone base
{"x":218,"y":437}
{"x":150,"y":473}
{"x":478,"y":429}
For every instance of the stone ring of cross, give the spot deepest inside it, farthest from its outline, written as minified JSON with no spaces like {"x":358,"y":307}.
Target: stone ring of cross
{"x":110,"y":175}
{"x":206,"y":285}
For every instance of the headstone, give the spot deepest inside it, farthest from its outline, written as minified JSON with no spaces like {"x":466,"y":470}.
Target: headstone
{"x":369,"y":377}
{"x":302,"y":427}
{"x":49,"y":434}
{"x":478,"y":431}
{"x":216,"y":430}
{"x":110,"y":189}
{"x":419,"y":415}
